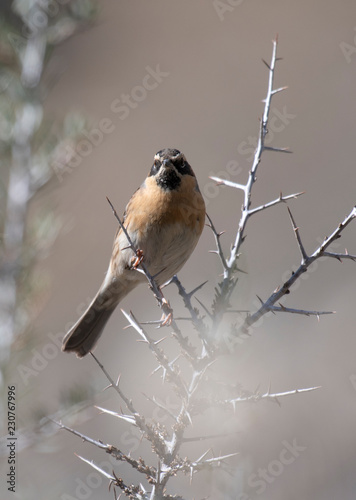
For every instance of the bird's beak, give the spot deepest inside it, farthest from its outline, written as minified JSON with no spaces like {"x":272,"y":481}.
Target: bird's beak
{"x":167,"y":163}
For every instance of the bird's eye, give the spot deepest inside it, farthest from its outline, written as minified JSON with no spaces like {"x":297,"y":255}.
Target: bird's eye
{"x":178,"y":162}
{"x":155,"y":167}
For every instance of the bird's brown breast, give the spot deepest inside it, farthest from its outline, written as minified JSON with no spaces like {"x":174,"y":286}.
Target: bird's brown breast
{"x":156,"y":206}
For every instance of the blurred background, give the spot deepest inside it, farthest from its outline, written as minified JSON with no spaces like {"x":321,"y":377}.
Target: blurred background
{"x":89,"y":93}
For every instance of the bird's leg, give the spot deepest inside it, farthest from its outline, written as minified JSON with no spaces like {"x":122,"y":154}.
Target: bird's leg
{"x":167,"y":316}
{"x":136,"y":261}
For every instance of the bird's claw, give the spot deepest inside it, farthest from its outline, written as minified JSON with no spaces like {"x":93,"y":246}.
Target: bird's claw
{"x":167,"y":316}
{"x":136,"y":261}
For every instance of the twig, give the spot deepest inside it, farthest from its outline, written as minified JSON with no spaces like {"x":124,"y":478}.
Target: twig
{"x":269,"y":396}
{"x":139,"y":465}
{"x":229,"y":264}
{"x":160,"y":356}
{"x":281,"y":199}
{"x":156,"y":440}
{"x":134,"y":492}
{"x":196,"y":320}
{"x":217,"y":237}
{"x":115,"y":386}
{"x":163,"y":303}
{"x":303,"y":312}
{"x":340,"y":256}
{"x":308,"y":260}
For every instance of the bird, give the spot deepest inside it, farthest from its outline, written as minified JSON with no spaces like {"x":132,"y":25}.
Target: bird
{"x":164,"y":219}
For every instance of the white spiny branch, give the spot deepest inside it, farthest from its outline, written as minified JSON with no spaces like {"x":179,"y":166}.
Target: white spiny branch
{"x":96,"y":467}
{"x":285,"y":288}
{"x":230,"y":264}
{"x":197,"y":393}
{"x":281,"y":199}
{"x":335,"y":235}
{"x":99,"y":444}
{"x":201,"y":464}
{"x":252,"y":175}
{"x":226,"y":182}
{"x":340,"y":256}
{"x":217,"y":237}
{"x":127,"y":418}
{"x":134,"y":492}
{"x":215,"y":462}
{"x":155,"y":439}
{"x":112,"y":450}
{"x":195,"y":317}
{"x":303,"y":312}
{"x":268,"y":395}
{"x":160,"y":356}
{"x":115,"y":386}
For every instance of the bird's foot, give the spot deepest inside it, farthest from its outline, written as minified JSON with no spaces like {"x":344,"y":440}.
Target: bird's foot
{"x":167,"y":316}
{"x":136,"y":261}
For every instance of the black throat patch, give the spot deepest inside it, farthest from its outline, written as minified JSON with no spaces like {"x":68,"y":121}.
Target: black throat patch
{"x":168,"y":179}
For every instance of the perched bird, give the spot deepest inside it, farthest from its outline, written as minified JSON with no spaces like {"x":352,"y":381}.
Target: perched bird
{"x":164,"y":219}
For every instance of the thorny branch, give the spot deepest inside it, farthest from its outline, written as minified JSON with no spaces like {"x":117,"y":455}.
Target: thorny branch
{"x":139,"y":464}
{"x":230,"y":264}
{"x":306,"y":262}
{"x":168,"y":441}
{"x":163,"y":304}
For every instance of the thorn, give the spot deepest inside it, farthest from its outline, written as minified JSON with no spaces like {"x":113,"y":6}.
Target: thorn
{"x":205,"y":308}
{"x":277,"y":401}
{"x":189,"y":417}
{"x":161,"y":340}
{"x":259,"y":298}
{"x":278,"y":150}
{"x":203,"y":455}
{"x":280,"y":89}
{"x":218,"y":182}
{"x":266,"y":63}
{"x":241,"y":270}
{"x":299,"y":241}
{"x":197,"y":288}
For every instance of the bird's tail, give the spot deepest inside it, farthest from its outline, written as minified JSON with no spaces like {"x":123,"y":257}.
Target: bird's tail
{"x":83,"y":336}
